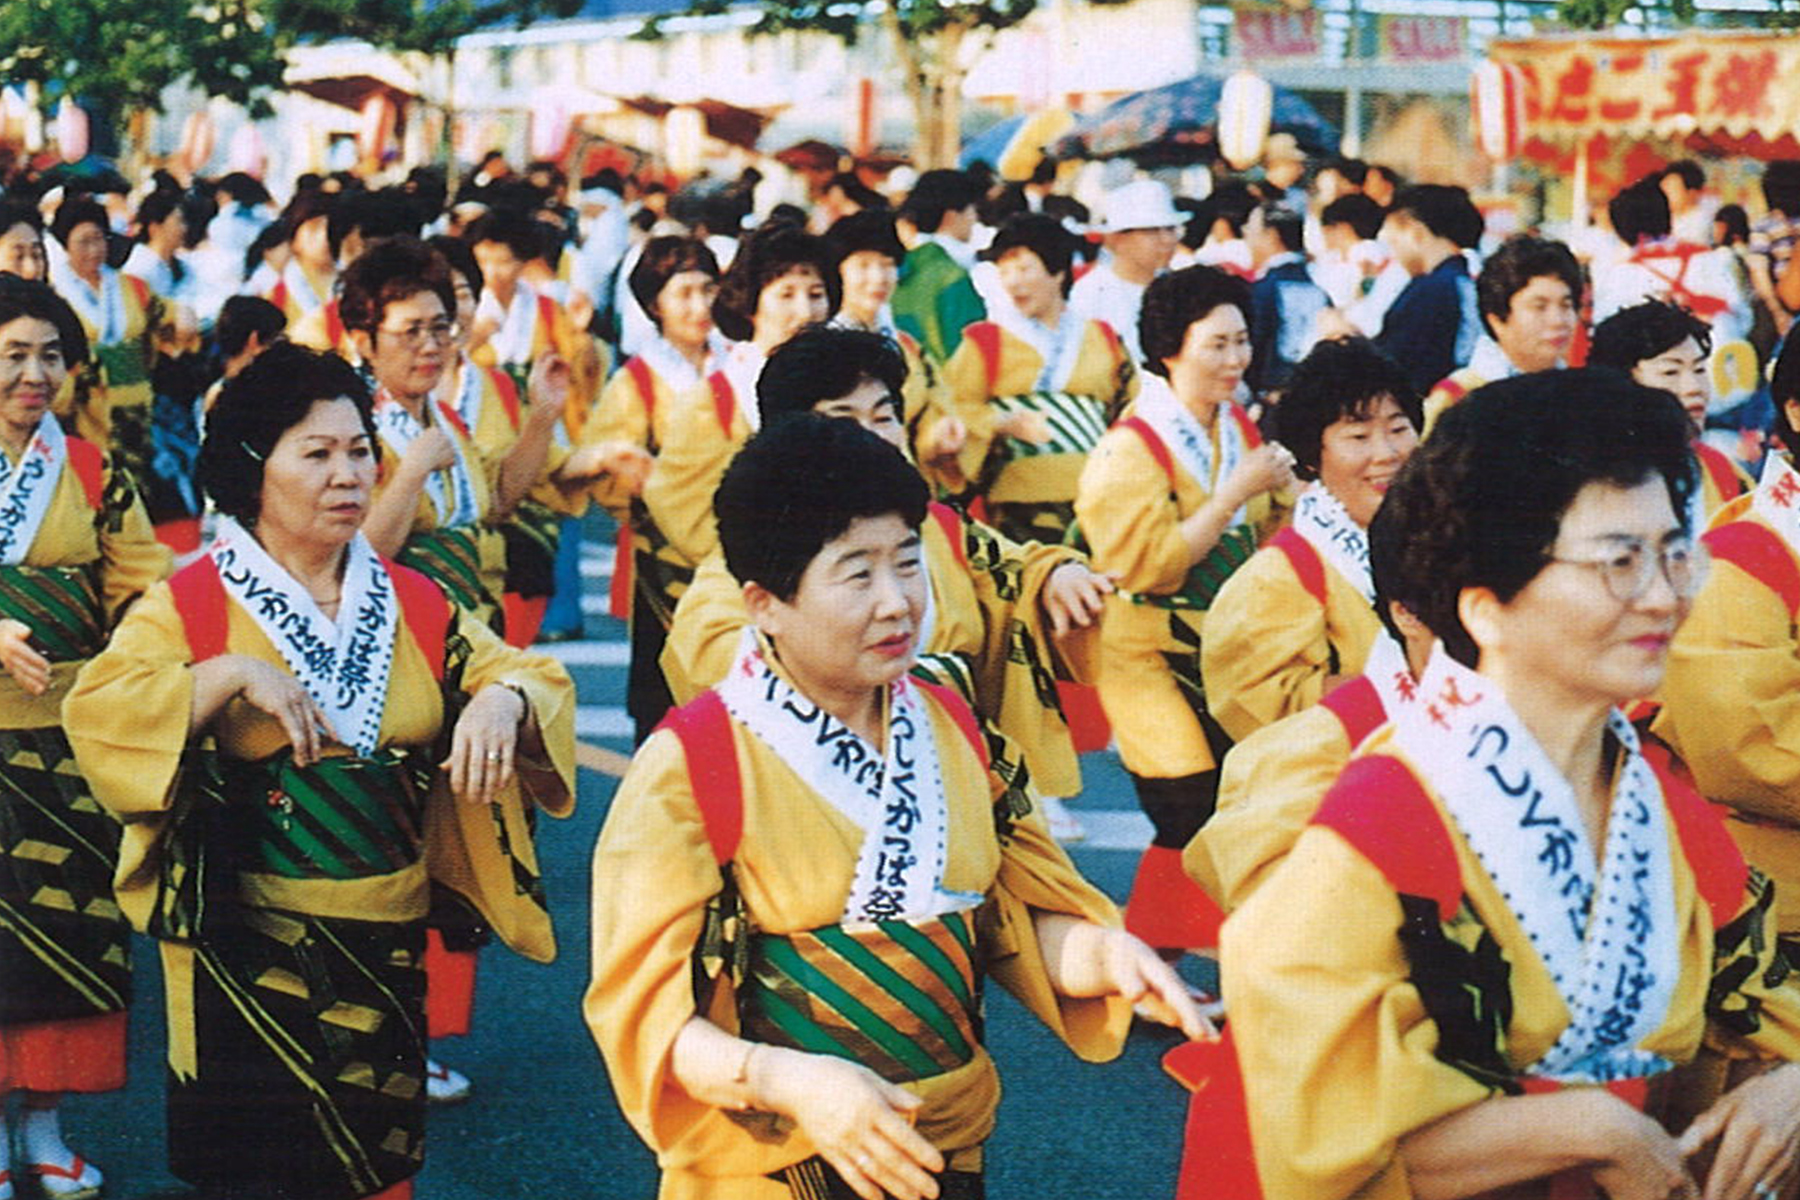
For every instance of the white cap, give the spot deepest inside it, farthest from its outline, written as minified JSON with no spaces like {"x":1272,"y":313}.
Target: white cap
{"x":1145,"y":204}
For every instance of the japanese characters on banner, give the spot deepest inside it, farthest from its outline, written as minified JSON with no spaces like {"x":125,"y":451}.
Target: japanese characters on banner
{"x":1656,"y":87}
{"x":1267,"y":32}
{"x":1421,"y":39}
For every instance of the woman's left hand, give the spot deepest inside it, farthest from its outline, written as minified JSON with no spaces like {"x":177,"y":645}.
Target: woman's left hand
{"x":484,"y":744}
{"x":1756,"y":1125}
{"x":1074,"y":597}
{"x":29,"y":669}
{"x":1139,"y":974}
{"x":548,"y":388}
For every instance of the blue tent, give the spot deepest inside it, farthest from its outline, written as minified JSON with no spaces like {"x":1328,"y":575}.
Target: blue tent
{"x":988,"y":145}
{"x":1179,"y":123}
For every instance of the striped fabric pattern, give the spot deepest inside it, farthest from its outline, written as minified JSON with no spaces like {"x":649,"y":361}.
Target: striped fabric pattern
{"x":451,"y":558}
{"x":898,"y":997}
{"x":342,"y":818}
{"x":1076,"y":422}
{"x":1208,"y":575}
{"x":60,"y":605}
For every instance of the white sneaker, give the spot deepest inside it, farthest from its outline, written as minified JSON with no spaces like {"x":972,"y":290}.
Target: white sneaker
{"x":1064,"y":826}
{"x":445,"y":1085}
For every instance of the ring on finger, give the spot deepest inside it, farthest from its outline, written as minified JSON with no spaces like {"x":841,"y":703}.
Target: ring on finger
{"x":493,"y":756}
{"x":1764,"y":1190}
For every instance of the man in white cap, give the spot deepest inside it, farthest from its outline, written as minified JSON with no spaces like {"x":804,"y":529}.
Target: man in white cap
{"x":1284,"y":164}
{"x":1142,"y":228}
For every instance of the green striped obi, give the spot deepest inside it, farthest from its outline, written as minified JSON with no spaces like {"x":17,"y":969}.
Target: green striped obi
{"x":532,"y":534}
{"x":662,"y":574}
{"x":121,"y":364}
{"x":60,"y":605}
{"x":451,"y":558}
{"x":1076,"y":423}
{"x":129,"y":439}
{"x":1206,"y":577}
{"x":899,"y":997}
{"x":341,"y":818}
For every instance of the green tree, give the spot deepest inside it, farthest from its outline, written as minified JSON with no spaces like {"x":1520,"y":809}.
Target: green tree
{"x":927,"y":37}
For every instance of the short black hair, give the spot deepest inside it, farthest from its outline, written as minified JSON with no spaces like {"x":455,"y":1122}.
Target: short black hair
{"x":1510,"y":270}
{"x":1445,"y":210}
{"x":1784,"y":385}
{"x":461,"y":258}
{"x":1338,"y":380}
{"x":762,"y":258}
{"x":391,"y":271}
{"x":1639,"y":212}
{"x":856,"y":191}
{"x":37,"y":299}
{"x":1387,"y":549}
{"x":871,"y":229}
{"x":1358,"y":212}
{"x":154,"y":209}
{"x":382,"y":214}
{"x":74,"y":212}
{"x":243,"y":188}
{"x":1354,"y":170}
{"x":1736,"y":222}
{"x":1231,"y":202}
{"x":308,"y":204}
{"x":510,"y":227}
{"x":1288,"y":226}
{"x":241,"y":316}
{"x":824,"y":363}
{"x":1176,"y":300}
{"x":797,"y":485}
{"x":274,"y":234}
{"x":936,"y":193}
{"x":1688,"y":171}
{"x":1643,"y":331}
{"x":1781,"y":185}
{"x":1045,"y":237}
{"x":662,"y":260}
{"x":1480,"y":502}
{"x":262,"y":402}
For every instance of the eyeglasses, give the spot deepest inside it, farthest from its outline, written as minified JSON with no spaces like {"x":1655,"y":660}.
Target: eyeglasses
{"x":417,"y":334}
{"x":1630,"y":570}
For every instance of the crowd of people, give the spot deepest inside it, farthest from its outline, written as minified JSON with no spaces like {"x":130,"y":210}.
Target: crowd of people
{"x":1428,"y":586}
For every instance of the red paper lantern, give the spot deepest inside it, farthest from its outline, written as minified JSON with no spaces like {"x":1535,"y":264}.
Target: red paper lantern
{"x":1497,"y":109}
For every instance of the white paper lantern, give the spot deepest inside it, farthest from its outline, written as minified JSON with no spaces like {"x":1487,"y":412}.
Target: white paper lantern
{"x":1497,"y":109}
{"x":71,"y":131}
{"x":1246,"y":103}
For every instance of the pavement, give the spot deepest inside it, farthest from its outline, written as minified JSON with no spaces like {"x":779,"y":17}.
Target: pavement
{"x":541,"y":1121}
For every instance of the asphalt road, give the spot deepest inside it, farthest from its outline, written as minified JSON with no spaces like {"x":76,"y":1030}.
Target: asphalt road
{"x":541,"y":1121}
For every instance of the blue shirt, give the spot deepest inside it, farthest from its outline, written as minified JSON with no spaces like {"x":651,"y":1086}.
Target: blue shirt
{"x":1432,"y":327}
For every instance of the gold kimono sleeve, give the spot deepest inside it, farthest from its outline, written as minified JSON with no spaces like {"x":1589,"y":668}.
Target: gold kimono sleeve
{"x":131,"y":557}
{"x":1336,"y":1048}
{"x":703,"y":638}
{"x":966,"y":395}
{"x":1269,"y":788}
{"x":680,"y":489}
{"x":1271,"y":648}
{"x":622,"y":415}
{"x":1133,"y":531}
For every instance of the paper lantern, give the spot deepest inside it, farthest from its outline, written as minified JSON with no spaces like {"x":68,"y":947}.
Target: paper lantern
{"x":198,"y":134}
{"x":1245,"y":105}
{"x":684,"y":139}
{"x":71,"y":131}
{"x":1497,"y":108}
{"x":377,"y":127}
{"x":246,"y":152}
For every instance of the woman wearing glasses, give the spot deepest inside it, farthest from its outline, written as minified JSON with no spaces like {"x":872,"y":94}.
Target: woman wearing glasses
{"x":1515,"y":918}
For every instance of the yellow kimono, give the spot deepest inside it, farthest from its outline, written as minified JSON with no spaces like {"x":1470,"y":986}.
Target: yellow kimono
{"x":1030,"y":487}
{"x":985,"y":595}
{"x":706,"y":426}
{"x":1130,"y":507}
{"x":322,"y":328}
{"x":298,"y":293}
{"x":550,"y":332}
{"x":654,"y":875}
{"x":1731,"y":695}
{"x":467,"y":559}
{"x":1271,"y":644}
{"x":127,"y":325}
{"x":1345,"y":1050}
{"x":1448,"y":393}
{"x":1270,"y":786}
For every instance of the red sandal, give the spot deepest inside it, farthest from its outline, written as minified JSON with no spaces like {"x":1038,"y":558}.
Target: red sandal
{"x":74,"y":1173}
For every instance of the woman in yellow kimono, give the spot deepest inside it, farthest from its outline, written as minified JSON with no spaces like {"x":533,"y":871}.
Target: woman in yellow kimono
{"x":124,"y":322}
{"x":675,"y":282}
{"x":75,"y":549}
{"x":1510,"y":917}
{"x":1007,"y":621}
{"x":1299,"y":617}
{"x":308,"y":278}
{"x":782,"y":280}
{"x":1663,"y":346}
{"x":801,"y":878}
{"x":1032,"y":390}
{"x":1173,"y":500}
{"x":869,"y":252}
{"x":1729,"y":705}
{"x":276,"y":765}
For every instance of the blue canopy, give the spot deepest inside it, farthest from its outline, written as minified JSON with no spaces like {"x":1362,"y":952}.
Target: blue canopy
{"x":1178,"y":122}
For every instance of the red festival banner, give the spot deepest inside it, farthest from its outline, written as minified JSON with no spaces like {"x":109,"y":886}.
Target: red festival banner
{"x":1269,"y":32}
{"x":1732,"y":85}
